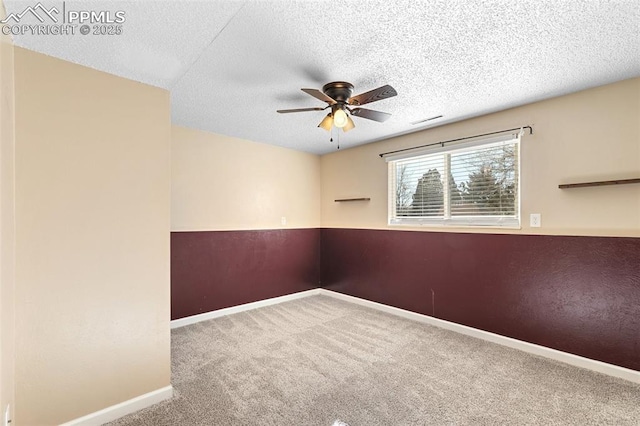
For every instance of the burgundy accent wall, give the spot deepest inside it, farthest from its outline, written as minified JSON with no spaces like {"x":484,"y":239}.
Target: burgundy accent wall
{"x":218,"y":269}
{"x":576,"y":294}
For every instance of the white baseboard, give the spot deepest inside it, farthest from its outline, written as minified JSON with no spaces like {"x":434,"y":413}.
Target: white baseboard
{"x":567,"y":358}
{"x":127,"y":407}
{"x":181,"y":322}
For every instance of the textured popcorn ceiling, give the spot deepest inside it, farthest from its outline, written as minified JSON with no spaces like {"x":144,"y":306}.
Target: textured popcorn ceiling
{"x":231,"y":65}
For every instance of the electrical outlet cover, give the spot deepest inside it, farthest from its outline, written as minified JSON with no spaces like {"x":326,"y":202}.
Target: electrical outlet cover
{"x":535,"y":220}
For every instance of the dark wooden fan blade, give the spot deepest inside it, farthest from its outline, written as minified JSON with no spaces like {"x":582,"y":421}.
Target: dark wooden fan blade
{"x":286,"y":111}
{"x":378,"y":94}
{"x":370,"y":114}
{"x":319,"y":95}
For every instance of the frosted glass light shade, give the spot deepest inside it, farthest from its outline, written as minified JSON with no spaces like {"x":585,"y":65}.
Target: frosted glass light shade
{"x":326,"y":123}
{"x":340,"y":118}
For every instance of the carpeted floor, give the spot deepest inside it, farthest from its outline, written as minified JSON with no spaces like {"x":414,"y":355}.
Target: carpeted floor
{"x":321,"y":361}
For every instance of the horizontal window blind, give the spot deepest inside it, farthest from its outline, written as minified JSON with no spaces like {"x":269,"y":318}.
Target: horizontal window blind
{"x":473,"y":184}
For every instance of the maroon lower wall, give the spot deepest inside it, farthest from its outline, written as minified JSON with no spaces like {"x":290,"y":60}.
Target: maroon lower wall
{"x":219,"y":269}
{"x":576,"y":294}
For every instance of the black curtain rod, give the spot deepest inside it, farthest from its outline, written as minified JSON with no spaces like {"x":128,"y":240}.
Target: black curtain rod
{"x":459,"y":139}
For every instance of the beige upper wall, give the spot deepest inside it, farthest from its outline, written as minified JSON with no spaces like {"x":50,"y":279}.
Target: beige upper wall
{"x":92,"y":239}
{"x":7,"y":225}
{"x":586,"y":136}
{"x":224,"y":183}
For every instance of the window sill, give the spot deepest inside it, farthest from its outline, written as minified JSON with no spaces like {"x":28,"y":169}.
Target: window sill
{"x":454,"y":226}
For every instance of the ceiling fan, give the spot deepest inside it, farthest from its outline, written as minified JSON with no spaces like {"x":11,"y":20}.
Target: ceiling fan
{"x":337,"y":95}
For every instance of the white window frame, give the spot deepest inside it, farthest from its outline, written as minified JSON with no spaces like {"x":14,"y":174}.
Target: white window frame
{"x":448,"y":220}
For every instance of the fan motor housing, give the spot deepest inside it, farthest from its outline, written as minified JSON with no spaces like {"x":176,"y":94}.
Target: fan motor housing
{"x":339,"y":90}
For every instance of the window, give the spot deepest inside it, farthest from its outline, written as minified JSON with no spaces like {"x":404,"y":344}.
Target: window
{"x":471,"y":184}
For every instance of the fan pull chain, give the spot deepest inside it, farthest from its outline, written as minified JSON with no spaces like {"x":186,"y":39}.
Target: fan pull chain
{"x":338,"y":136}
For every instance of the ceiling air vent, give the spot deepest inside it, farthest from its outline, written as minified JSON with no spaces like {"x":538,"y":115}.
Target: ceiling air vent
{"x":426,"y":119}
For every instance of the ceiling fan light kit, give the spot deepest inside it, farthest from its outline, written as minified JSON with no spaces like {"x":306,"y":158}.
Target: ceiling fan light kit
{"x":326,"y":123}
{"x":339,"y":117}
{"x":338,"y":97}
{"x":350,"y":125}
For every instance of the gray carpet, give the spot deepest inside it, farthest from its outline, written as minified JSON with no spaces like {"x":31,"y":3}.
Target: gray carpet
{"x":321,"y":361}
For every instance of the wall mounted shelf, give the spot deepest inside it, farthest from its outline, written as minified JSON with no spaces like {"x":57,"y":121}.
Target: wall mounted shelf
{"x":352,"y":199}
{"x":600,"y":183}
